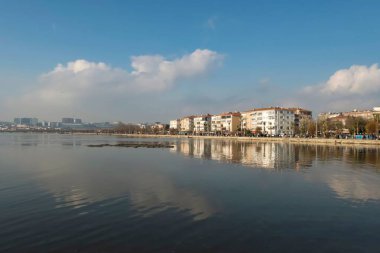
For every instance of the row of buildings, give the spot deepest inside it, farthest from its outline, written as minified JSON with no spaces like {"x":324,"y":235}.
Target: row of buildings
{"x":367,"y":115}
{"x":35,"y":123}
{"x":29,"y":123}
{"x":269,"y":121}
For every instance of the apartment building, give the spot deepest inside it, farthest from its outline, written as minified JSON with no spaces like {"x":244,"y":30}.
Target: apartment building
{"x":187,"y":125}
{"x":202,"y":124}
{"x":300,"y":115}
{"x":273,"y":121}
{"x":175,"y":124}
{"x":376,"y":113}
{"x":246,"y":120}
{"x":228,"y":122}
{"x":365,"y":114}
{"x":328,"y":115}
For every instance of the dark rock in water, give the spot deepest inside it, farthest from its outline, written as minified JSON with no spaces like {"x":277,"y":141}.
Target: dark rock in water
{"x":132,"y":145}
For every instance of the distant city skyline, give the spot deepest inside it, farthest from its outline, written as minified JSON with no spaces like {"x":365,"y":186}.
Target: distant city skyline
{"x":153,"y":61}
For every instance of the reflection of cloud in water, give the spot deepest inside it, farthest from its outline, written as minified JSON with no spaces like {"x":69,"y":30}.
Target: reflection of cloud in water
{"x":164,"y":195}
{"x":354,"y":186}
{"x":75,"y":198}
{"x":148,"y":191}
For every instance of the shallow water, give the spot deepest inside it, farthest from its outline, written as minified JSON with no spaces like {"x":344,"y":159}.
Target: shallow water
{"x":59,"y":195}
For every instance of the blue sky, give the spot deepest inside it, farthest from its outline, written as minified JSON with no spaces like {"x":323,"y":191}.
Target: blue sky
{"x":263,"y":53}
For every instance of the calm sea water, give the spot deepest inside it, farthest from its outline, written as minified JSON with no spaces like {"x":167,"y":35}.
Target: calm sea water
{"x":58,"y":195}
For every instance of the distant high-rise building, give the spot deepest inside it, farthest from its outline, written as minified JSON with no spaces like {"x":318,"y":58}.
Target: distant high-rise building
{"x":77,"y":121}
{"x":68,"y":120}
{"x":26,"y":121}
{"x":55,"y":124}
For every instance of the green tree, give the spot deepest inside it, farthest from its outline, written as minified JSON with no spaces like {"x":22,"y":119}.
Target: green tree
{"x":247,"y":132}
{"x":356,"y":125}
{"x":335,"y":126}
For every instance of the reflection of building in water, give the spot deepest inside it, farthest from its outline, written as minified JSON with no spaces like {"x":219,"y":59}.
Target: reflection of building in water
{"x":263,"y":154}
{"x":225,"y":151}
{"x":199,"y":148}
{"x":259,"y":154}
{"x":269,"y":155}
{"x":274,"y":155}
{"x":361,"y":155}
{"x":185,"y":148}
{"x":304,"y":155}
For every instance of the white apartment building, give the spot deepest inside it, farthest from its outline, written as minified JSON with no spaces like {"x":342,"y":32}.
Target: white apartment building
{"x":202,"y":124}
{"x":273,"y":121}
{"x":228,"y":122}
{"x":174,"y":124}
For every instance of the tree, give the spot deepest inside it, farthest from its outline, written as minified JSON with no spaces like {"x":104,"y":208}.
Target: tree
{"x":247,"y":132}
{"x":370,"y":127}
{"x":126,"y":128}
{"x":303,"y":128}
{"x":351,"y":125}
{"x":323,"y":127}
{"x":311,"y":127}
{"x":258,"y":130}
{"x":356,"y":125}
{"x":335,"y":126}
{"x":173,"y":131}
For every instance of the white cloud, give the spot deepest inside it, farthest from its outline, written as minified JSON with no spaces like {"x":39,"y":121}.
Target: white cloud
{"x":355,"y":87}
{"x":149,"y":74}
{"x":68,"y":86}
{"x":357,"y":79}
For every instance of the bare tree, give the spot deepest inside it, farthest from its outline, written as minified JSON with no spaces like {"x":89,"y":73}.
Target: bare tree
{"x":370,"y":127}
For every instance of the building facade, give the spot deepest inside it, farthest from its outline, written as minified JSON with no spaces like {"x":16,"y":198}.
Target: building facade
{"x":175,"y":124}
{"x":301,"y":115}
{"x":273,"y":121}
{"x":187,"y":125}
{"x":365,"y":114}
{"x":246,"y":120}
{"x":228,"y":122}
{"x":202,"y":124}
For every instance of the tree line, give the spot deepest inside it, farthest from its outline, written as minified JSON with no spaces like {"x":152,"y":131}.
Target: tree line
{"x":332,"y":127}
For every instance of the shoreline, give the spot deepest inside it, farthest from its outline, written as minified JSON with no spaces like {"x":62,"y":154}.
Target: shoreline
{"x":317,"y":141}
{"x":293,"y":140}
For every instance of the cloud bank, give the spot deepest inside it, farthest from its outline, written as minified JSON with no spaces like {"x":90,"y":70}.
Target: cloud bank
{"x":70,"y":86}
